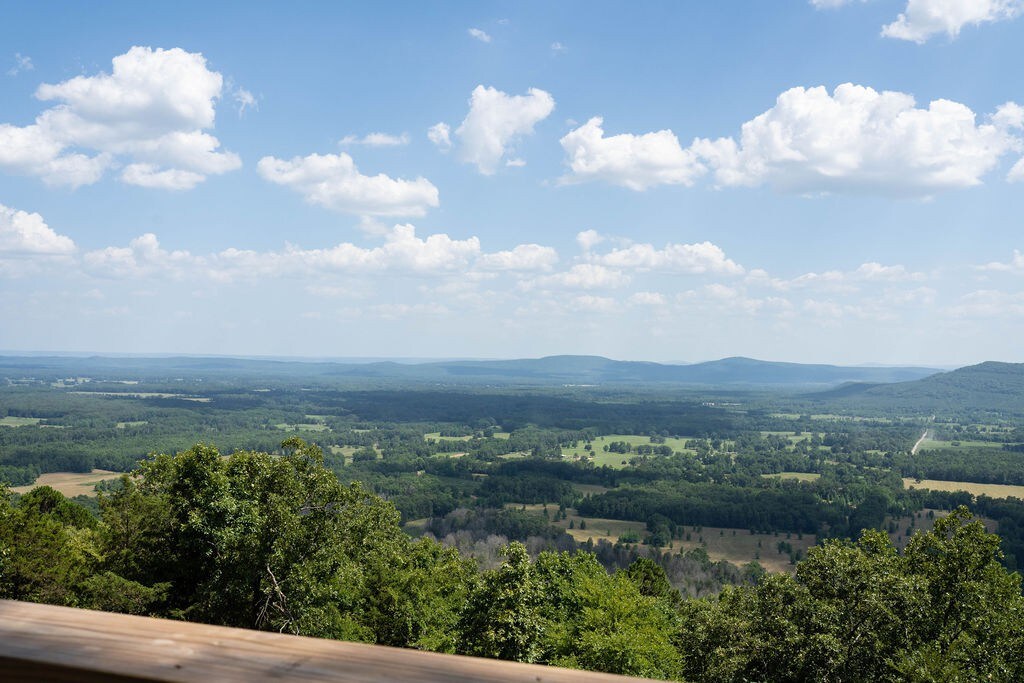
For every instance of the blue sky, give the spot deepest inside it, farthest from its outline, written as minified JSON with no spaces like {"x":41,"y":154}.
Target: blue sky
{"x":820,"y":181}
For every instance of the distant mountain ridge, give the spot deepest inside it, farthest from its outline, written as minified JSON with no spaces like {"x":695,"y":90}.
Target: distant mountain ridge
{"x":600,"y":370}
{"x":549,"y":370}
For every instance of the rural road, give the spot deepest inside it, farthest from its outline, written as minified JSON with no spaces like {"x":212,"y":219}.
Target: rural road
{"x":913,"y":451}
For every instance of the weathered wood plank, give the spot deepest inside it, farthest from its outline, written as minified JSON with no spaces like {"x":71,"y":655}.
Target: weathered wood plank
{"x":46,"y":643}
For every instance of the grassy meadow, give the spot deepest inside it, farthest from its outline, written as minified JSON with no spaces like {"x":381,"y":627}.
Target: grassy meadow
{"x":9,"y":421}
{"x":71,"y":483}
{"x":619,"y":460}
{"x":990,"y":490}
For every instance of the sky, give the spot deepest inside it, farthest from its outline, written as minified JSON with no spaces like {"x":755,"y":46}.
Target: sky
{"x":837,"y":181}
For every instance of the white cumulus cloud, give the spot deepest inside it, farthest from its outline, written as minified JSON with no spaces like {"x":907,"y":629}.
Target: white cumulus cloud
{"x":634,"y":161}
{"x":479,"y":34}
{"x":1016,"y":173}
{"x":692,"y":259}
{"x":440,"y":135}
{"x":495,"y":121}
{"x":402,"y":250}
{"x":376,"y":140}
{"x":594,"y":304}
{"x":588,"y":239}
{"x":923,"y":19}
{"x":245,"y":100}
{"x":23,"y":233}
{"x":988,"y":303}
{"x":152,"y":110}
{"x":27,"y":245}
{"x":647,"y":299}
{"x":581,"y":276}
{"x":523,"y":257}
{"x":143,"y":257}
{"x":1015,"y":264}
{"x":148,"y":175}
{"x":860,"y":140}
{"x":334,"y":182}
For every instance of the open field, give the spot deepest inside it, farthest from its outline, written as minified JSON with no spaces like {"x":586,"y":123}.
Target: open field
{"x":923,"y":520}
{"x":991,"y":490}
{"x":136,"y":423}
{"x":303,"y":427}
{"x":348,"y":451}
{"x":793,"y":437}
{"x":831,"y":417}
{"x":985,"y":428}
{"x":932,"y":444}
{"x":71,"y":483}
{"x":738,"y":546}
{"x":436,"y":436}
{"x":143,"y":394}
{"x":416,"y":527}
{"x":344,"y":451}
{"x":597,"y":528}
{"x":799,"y":476}
{"x":601,"y":457}
{"x":9,"y":421}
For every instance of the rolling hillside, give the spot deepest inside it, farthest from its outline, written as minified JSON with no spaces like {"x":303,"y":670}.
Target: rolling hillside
{"x":990,"y":387}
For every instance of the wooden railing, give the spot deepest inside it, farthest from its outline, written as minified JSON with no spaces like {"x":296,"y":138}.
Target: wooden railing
{"x":46,"y":643}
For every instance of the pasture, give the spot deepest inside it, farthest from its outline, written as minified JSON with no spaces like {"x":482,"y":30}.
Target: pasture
{"x":10,"y":421}
{"x":348,"y":451}
{"x":303,"y":427}
{"x":738,"y":546}
{"x":71,"y":483}
{"x":990,"y":490}
{"x":143,"y":394}
{"x":793,"y":436}
{"x":902,"y":529}
{"x":799,"y":476}
{"x":932,"y":444}
{"x":436,"y":436}
{"x":618,"y":460}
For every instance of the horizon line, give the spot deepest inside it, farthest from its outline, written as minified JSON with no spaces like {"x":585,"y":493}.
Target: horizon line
{"x":418,"y":360}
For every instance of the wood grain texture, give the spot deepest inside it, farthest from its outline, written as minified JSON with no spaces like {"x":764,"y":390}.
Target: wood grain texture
{"x":46,"y":643}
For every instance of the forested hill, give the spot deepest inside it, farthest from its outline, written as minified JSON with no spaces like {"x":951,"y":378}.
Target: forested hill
{"x":991,"y":387}
{"x":551,"y":370}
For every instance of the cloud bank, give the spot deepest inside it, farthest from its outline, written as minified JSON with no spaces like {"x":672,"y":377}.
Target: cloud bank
{"x":854,"y":140}
{"x":148,"y":118}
